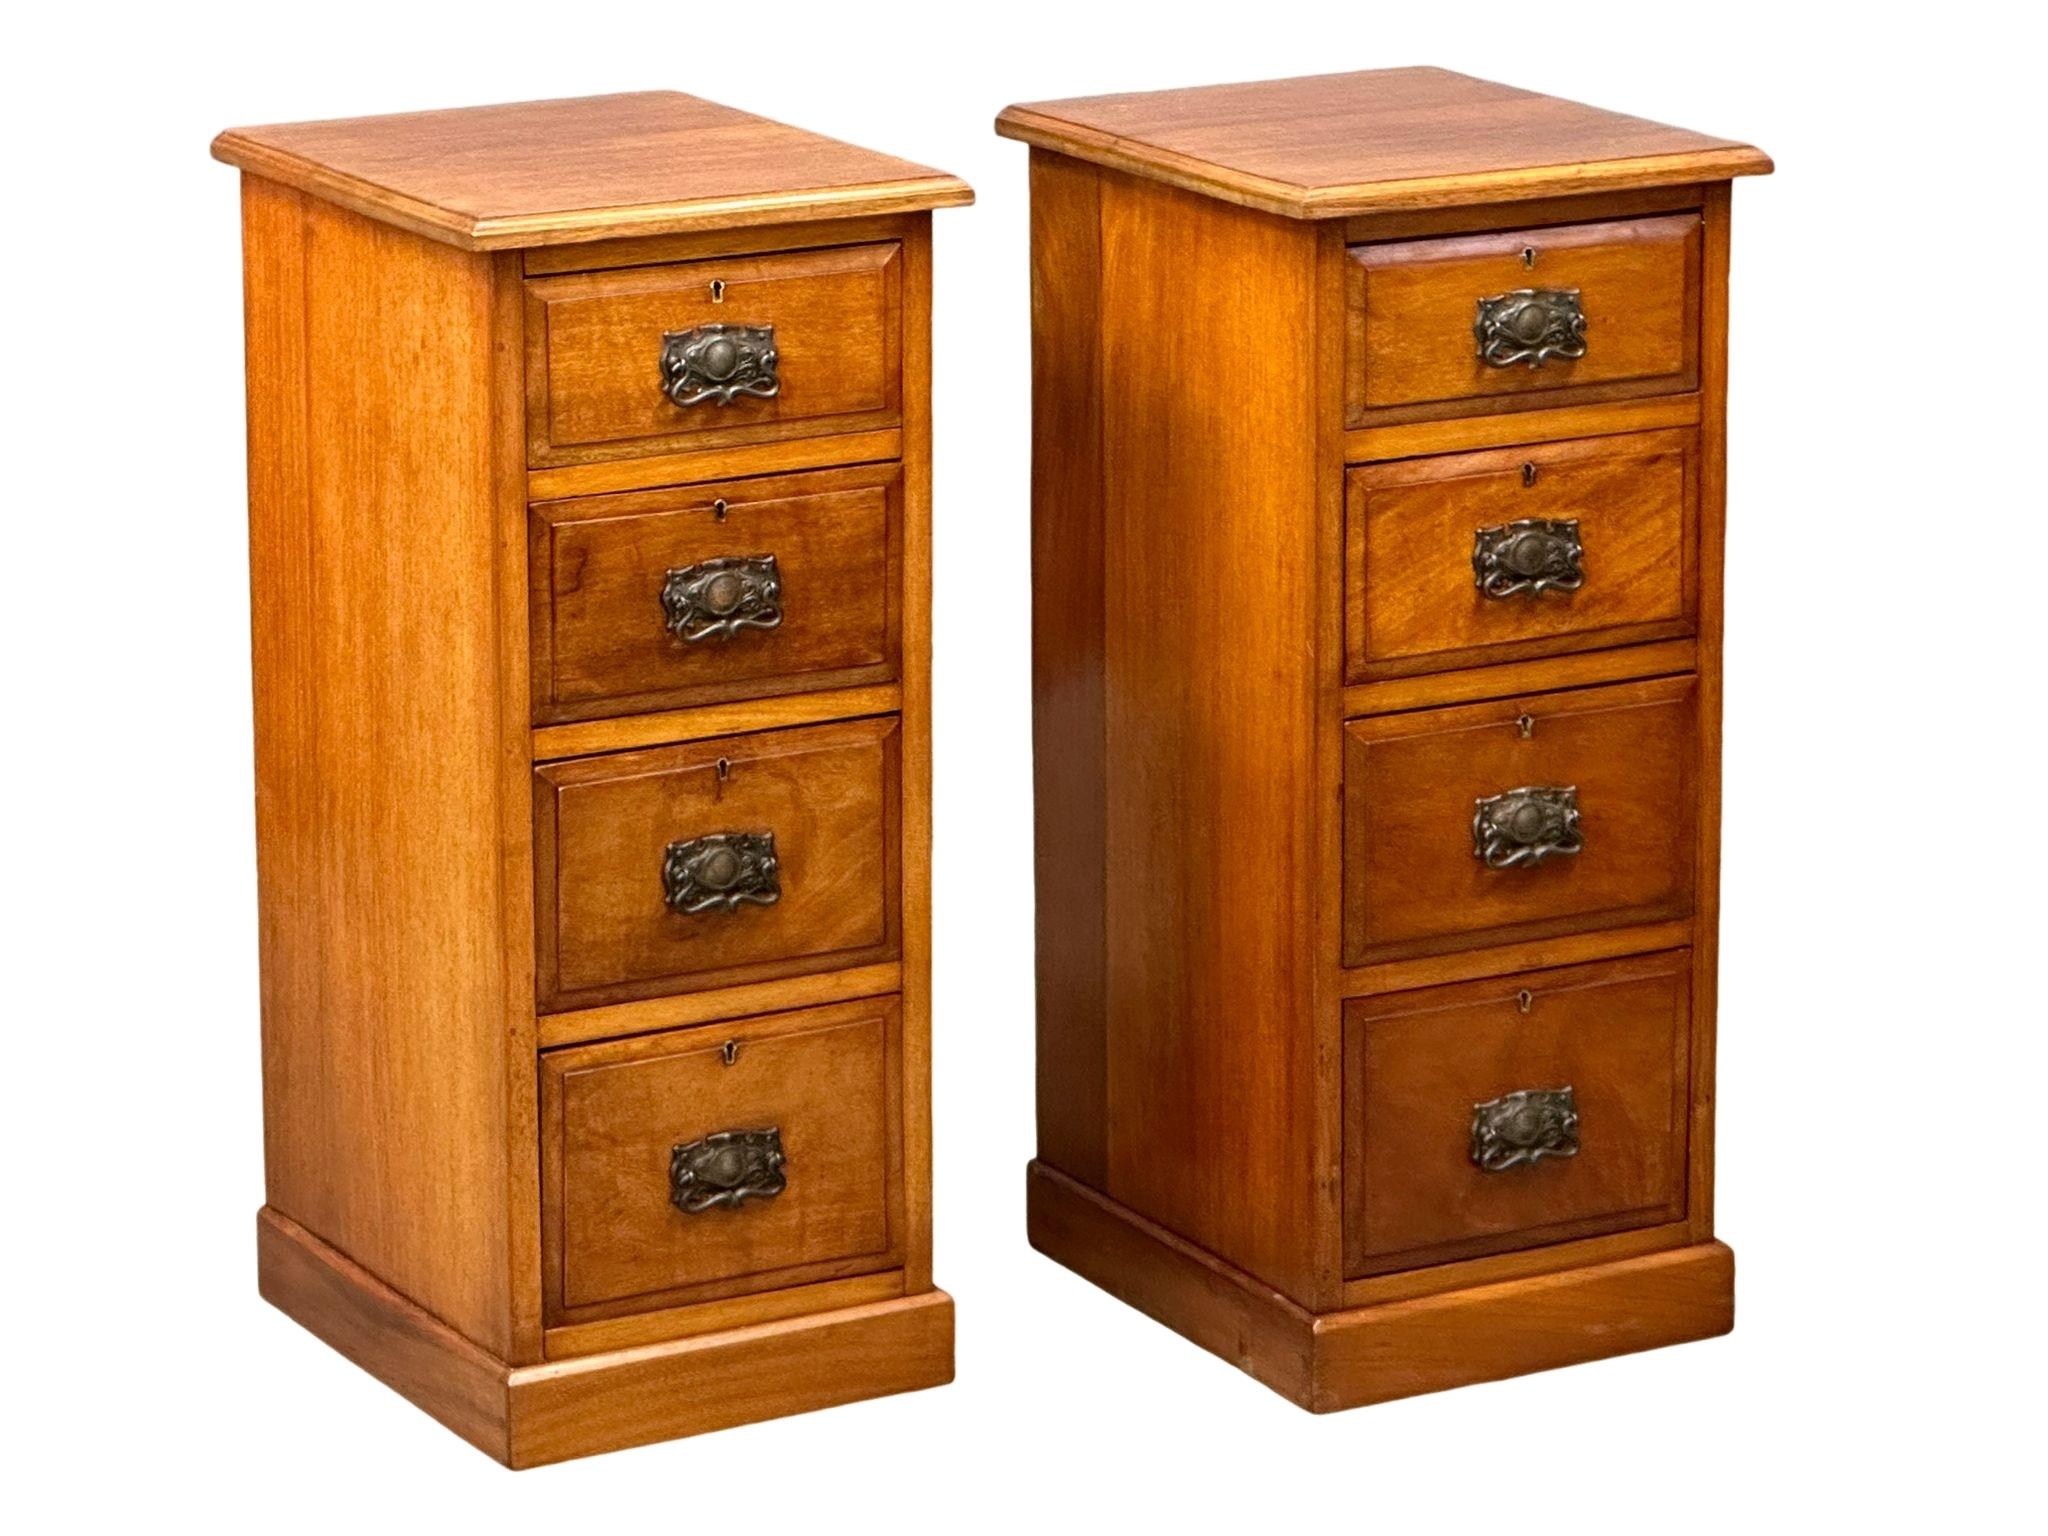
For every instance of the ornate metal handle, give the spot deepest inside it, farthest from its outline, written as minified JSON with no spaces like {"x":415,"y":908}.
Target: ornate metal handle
{"x":1526,"y":826}
{"x":721,"y":872}
{"x":726,"y":1168}
{"x":1525,"y":1127}
{"x":1529,"y":325}
{"x":716,"y":599}
{"x":1531,"y":555}
{"x":718,"y":363}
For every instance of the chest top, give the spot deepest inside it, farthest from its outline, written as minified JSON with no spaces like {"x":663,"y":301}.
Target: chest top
{"x":560,"y":172}
{"x":1331,"y":146}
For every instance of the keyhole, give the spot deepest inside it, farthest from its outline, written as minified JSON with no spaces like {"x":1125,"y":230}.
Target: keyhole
{"x":1528,"y":475}
{"x":1526,"y":724}
{"x":1528,"y":255}
{"x":718,"y":290}
{"x":719,"y":508}
{"x":724,"y":769}
{"x":1524,"y":999}
{"x":730,"y":1051}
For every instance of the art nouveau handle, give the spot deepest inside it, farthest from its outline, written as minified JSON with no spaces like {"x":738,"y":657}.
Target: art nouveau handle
{"x":716,"y":364}
{"x":721,"y":872}
{"x":1523,"y":827}
{"x":716,"y":599}
{"x":1531,"y":555}
{"x":726,"y":1168}
{"x":1530,"y":325}
{"x":1525,"y":1127}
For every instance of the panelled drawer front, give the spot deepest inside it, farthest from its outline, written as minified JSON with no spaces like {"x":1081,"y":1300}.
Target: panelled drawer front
{"x":1460,"y":1137}
{"x":730,"y":1158}
{"x":1464,"y":559}
{"x":1468,"y":323}
{"x":663,"y":599}
{"x":596,"y":343}
{"x":1620,"y":757}
{"x":784,"y":843}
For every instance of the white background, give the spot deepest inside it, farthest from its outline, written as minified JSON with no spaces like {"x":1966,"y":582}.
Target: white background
{"x":1883,"y":1105}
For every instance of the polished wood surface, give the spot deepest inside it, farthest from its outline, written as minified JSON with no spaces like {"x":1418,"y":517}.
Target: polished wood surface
{"x":1413,"y":352}
{"x":594,"y":346}
{"x":827,"y":1080}
{"x":601,"y":638}
{"x":545,"y":173}
{"x":460,"y":643}
{"x":1330,"y":146}
{"x":1412,"y":882}
{"x":1411,"y":600}
{"x":828,"y":794}
{"x":1417,"y":1063}
{"x":1267,"y":695}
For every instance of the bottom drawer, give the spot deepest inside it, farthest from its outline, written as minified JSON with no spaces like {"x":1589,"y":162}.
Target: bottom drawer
{"x":1515,"y":1111}
{"x":720,"y":1160}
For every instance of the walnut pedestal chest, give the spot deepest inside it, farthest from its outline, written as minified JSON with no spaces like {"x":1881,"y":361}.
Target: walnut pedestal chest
{"x":589,"y":485}
{"x":1377,"y":525}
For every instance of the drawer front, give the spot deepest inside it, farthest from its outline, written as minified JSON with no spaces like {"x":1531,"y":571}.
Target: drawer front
{"x":1468,"y":558}
{"x":731,"y":1158}
{"x":1515,"y":1111}
{"x":626,"y":363}
{"x":1521,"y":819}
{"x":663,"y":599}
{"x":716,"y":863}
{"x":1524,"y":317}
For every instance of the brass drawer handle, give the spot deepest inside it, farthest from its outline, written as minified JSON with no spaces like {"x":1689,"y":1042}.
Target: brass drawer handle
{"x":726,"y":1168}
{"x":721,"y":872}
{"x":716,"y":599}
{"x":718,"y":363}
{"x":1525,"y":1127}
{"x":1530,"y":325}
{"x":1532,"y":555}
{"x":1523,"y":827}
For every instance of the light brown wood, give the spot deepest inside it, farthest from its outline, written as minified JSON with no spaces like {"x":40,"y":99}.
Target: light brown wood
{"x":544,"y":173}
{"x":632,"y":1330}
{"x":1413,"y":605}
{"x":1663,"y":658}
{"x":1503,"y":959}
{"x":1347,"y":1357}
{"x":773,"y":458}
{"x":396,"y":993}
{"x":827,"y":1080}
{"x":1332,"y":146}
{"x":655,"y":1013}
{"x":1413,"y":351}
{"x":602,"y":641}
{"x":827,"y":793}
{"x":1417,"y":1063}
{"x":594,"y":345}
{"x":655,"y":250}
{"x":1412,"y":882}
{"x":624,"y":732}
{"x":1463,"y":434}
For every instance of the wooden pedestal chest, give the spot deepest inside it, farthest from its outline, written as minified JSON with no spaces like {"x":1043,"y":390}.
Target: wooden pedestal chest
{"x":589,"y":485}
{"x":1377,"y":511}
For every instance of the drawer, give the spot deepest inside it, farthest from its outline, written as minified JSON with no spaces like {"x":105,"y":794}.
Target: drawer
{"x":1461,"y":559}
{"x":714,"y":1161}
{"x":1516,"y":1111}
{"x":710,"y":354}
{"x":662,"y":599}
{"x":1520,"y":318}
{"x":1460,"y":824}
{"x":715,"y":863}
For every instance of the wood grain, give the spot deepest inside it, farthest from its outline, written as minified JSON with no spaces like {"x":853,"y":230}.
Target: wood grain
{"x":1332,"y":146}
{"x":827,"y":793}
{"x":622,"y":733}
{"x":391,"y":1020}
{"x":1416,"y":1064}
{"x":601,"y":641}
{"x":544,"y":173}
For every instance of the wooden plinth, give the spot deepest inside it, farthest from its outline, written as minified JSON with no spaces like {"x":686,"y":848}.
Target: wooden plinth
{"x":1372,"y":1354}
{"x":526,"y":1416}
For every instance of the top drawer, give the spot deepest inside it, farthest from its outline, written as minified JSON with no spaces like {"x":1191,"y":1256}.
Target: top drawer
{"x":1522,"y":318}
{"x":713,"y":354}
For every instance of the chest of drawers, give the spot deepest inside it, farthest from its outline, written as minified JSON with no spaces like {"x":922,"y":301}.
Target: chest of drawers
{"x":1377,"y":513}
{"x":589,"y":485}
